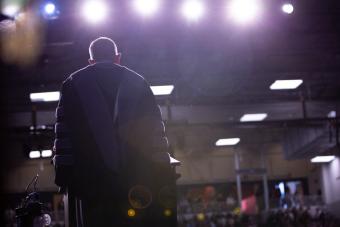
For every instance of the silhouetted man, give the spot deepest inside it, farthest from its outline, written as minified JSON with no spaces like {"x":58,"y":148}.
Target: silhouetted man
{"x":111,"y":150}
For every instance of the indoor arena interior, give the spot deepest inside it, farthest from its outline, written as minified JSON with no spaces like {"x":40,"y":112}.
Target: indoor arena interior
{"x":242,"y":128}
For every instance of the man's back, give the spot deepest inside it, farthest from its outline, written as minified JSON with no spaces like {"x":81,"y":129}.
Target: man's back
{"x":113,"y":129}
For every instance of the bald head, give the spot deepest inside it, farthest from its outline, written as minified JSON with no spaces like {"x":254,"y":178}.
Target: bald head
{"x":103,"y":49}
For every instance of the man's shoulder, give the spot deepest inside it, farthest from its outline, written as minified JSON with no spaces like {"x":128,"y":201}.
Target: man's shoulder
{"x":129,"y":73}
{"x":133,"y":78}
{"x":76,"y":74}
{"x":132,"y":74}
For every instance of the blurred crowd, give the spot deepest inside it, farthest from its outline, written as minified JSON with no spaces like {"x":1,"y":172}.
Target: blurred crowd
{"x":293,"y":217}
{"x":216,"y":217}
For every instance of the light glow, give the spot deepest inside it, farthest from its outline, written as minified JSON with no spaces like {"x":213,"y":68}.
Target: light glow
{"x":10,"y":10}
{"x":162,"y":90}
{"x":95,"y":11}
{"x":45,"y":96}
{"x":285,"y":84}
{"x":200,"y":216}
{"x":34,"y":154}
{"x":49,"y":8}
{"x":167,"y":213}
{"x":287,"y":8}
{"x":131,"y":213}
{"x":322,"y":159}
{"x":193,"y":9}
{"x":46,"y":153}
{"x":227,"y":142}
{"x":332,"y":114}
{"x":253,"y":117}
{"x":244,"y":11}
{"x":146,"y":7}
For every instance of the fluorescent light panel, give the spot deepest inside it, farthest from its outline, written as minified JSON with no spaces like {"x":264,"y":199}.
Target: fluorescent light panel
{"x":46,"y":153}
{"x":45,"y":96}
{"x":285,"y":84}
{"x":227,"y":142}
{"x":253,"y":117}
{"x":162,"y":90}
{"x":34,"y":154}
{"x":321,"y":159}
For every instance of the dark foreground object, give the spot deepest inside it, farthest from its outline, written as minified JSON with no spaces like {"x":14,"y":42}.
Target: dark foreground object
{"x":142,"y":202}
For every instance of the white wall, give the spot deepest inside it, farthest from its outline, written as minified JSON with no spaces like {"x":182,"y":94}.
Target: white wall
{"x":331,"y":181}
{"x":218,"y":165}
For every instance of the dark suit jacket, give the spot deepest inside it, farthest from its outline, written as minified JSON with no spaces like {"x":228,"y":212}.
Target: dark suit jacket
{"x":108,"y":126}
{"x":110,"y":139}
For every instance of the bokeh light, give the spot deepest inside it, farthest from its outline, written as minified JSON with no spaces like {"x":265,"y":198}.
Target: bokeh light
{"x":131,"y":213}
{"x":167,"y":213}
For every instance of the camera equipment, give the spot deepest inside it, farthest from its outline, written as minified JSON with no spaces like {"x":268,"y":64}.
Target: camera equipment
{"x":31,"y":212}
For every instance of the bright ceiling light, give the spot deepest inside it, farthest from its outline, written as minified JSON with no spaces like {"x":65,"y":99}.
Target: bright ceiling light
{"x":287,"y":8}
{"x":34,"y":154}
{"x":10,"y":10}
{"x":146,"y":7}
{"x":244,"y":11}
{"x":193,"y":9}
{"x":45,"y":96}
{"x":285,"y":84}
{"x":227,"y":142}
{"x":49,"y":8}
{"x":320,"y":159}
{"x":253,"y":117}
{"x":50,"y":11}
{"x":95,"y":11}
{"x":162,"y":90}
{"x":46,"y":153}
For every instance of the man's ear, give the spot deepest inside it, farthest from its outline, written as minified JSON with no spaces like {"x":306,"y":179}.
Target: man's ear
{"x":92,"y":61}
{"x":117,"y":58}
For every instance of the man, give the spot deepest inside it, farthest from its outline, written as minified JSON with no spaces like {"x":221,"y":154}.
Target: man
{"x":111,"y":149}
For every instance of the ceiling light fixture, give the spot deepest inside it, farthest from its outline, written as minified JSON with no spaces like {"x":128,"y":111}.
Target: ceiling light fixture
{"x":253,"y":117}
{"x":45,"y":96}
{"x":323,"y":159}
{"x":34,"y":154}
{"x":286,"y":84}
{"x":287,"y":8}
{"x":227,"y":142}
{"x":46,"y":153}
{"x":162,"y":90}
